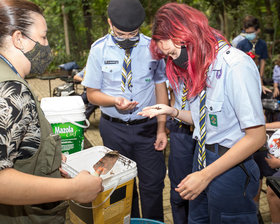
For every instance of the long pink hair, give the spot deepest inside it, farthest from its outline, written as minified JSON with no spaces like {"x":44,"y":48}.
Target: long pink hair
{"x":186,"y":26}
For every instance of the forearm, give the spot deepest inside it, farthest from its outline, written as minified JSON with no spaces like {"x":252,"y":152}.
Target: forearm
{"x":77,"y":78}
{"x":95,"y":96}
{"x":183,"y":115}
{"x":262,"y":66}
{"x":161,"y":98}
{"x":254,"y":139}
{"x":273,"y":125}
{"x":19,"y":188}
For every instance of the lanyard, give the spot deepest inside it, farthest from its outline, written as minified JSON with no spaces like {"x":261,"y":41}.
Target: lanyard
{"x":11,"y":66}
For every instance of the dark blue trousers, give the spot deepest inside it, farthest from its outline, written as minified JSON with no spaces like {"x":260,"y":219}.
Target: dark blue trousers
{"x":265,"y":170}
{"x":224,"y":201}
{"x":90,"y":108}
{"x":137,"y":143}
{"x":179,"y":166}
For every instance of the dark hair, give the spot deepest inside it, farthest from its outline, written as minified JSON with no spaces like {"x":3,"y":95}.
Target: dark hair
{"x":187,"y":26}
{"x":15,"y":15}
{"x":251,"y":21}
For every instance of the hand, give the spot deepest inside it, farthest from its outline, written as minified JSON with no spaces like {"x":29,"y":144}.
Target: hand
{"x":63,"y":172}
{"x":265,"y":89}
{"x":122,"y":103}
{"x":161,"y":141}
{"x":191,"y":186}
{"x":157,"y":109}
{"x":275,"y":92}
{"x":86,"y":187}
{"x":273,"y":162}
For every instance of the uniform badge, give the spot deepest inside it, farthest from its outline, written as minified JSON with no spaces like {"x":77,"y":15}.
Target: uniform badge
{"x":111,"y":62}
{"x":218,"y":73}
{"x":213,"y":120}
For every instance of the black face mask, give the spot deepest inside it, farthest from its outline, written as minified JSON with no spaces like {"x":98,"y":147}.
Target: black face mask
{"x":182,"y":60}
{"x":40,"y":57}
{"x":126,"y":44}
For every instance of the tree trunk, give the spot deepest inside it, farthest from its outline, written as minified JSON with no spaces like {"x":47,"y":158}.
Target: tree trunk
{"x":66,"y":35}
{"x":221,"y":22}
{"x":226,"y":26}
{"x":269,"y":27}
{"x":278,"y":9}
{"x":87,"y":21}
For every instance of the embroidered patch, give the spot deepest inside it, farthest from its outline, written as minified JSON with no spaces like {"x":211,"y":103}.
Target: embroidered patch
{"x":148,"y":80}
{"x":111,"y":62}
{"x":213,"y":120}
{"x":218,"y":73}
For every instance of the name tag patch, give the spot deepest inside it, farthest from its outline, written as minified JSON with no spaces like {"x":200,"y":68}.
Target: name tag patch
{"x":213,"y":120}
{"x":111,"y":62}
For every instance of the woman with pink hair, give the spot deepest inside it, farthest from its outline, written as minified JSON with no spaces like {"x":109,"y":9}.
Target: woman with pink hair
{"x":224,"y":95}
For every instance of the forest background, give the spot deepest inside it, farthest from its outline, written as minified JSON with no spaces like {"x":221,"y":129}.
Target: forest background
{"x":73,"y":25}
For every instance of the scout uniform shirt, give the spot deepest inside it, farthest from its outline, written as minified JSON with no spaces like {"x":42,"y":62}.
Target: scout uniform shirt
{"x":104,"y":72}
{"x":233,"y":98}
{"x":178,"y":94}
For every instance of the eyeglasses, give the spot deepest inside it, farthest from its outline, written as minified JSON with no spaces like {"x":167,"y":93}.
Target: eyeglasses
{"x":250,"y":32}
{"x":120,"y":37}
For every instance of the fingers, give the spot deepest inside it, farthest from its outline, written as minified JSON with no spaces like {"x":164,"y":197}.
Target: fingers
{"x":63,"y":157}
{"x":147,"y":108}
{"x":87,"y":187}
{"x":159,"y":146}
{"x":151,"y":111}
{"x":186,"y":194}
{"x":131,"y":105}
{"x":160,"y":143}
{"x":64,"y":173}
{"x":192,"y":185}
{"x":147,"y":113}
{"x":124,"y":104}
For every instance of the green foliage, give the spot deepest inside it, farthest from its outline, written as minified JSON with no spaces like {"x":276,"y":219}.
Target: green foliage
{"x":87,"y":21}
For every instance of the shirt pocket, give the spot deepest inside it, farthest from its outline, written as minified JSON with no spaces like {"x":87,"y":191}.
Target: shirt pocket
{"x":148,"y":70}
{"x":152,"y":68}
{"x":214,"y":109}
{"x":153,"y":65}
{"x":112,"y":73}
{"x":214,"y":106}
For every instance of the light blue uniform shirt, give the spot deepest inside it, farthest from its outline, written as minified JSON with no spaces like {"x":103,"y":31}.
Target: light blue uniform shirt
{"x":178,"y":93}
{"x":81,"y":73}
{"x":104,"y":69}
{"x":233,"y":98}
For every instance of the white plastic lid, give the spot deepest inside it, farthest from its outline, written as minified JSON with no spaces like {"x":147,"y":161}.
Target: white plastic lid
{"x":62,"y":105}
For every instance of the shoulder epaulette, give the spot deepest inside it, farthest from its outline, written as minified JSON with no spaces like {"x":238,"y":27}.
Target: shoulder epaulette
{"x":233,"y":56}
{"x":100,"y":40}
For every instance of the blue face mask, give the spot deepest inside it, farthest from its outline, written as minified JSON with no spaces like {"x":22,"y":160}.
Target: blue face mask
{"x":250,"y":36}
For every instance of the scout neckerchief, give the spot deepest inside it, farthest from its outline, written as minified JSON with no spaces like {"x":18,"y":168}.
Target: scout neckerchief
{"x":202,"y":121}
{"x":202,"y":125}
{"x":126,"y":68}
{"x":126,"y":71}
{"x":183,"y":100}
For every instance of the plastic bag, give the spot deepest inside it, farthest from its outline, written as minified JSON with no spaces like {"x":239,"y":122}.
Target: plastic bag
{"x":273,"y":144}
